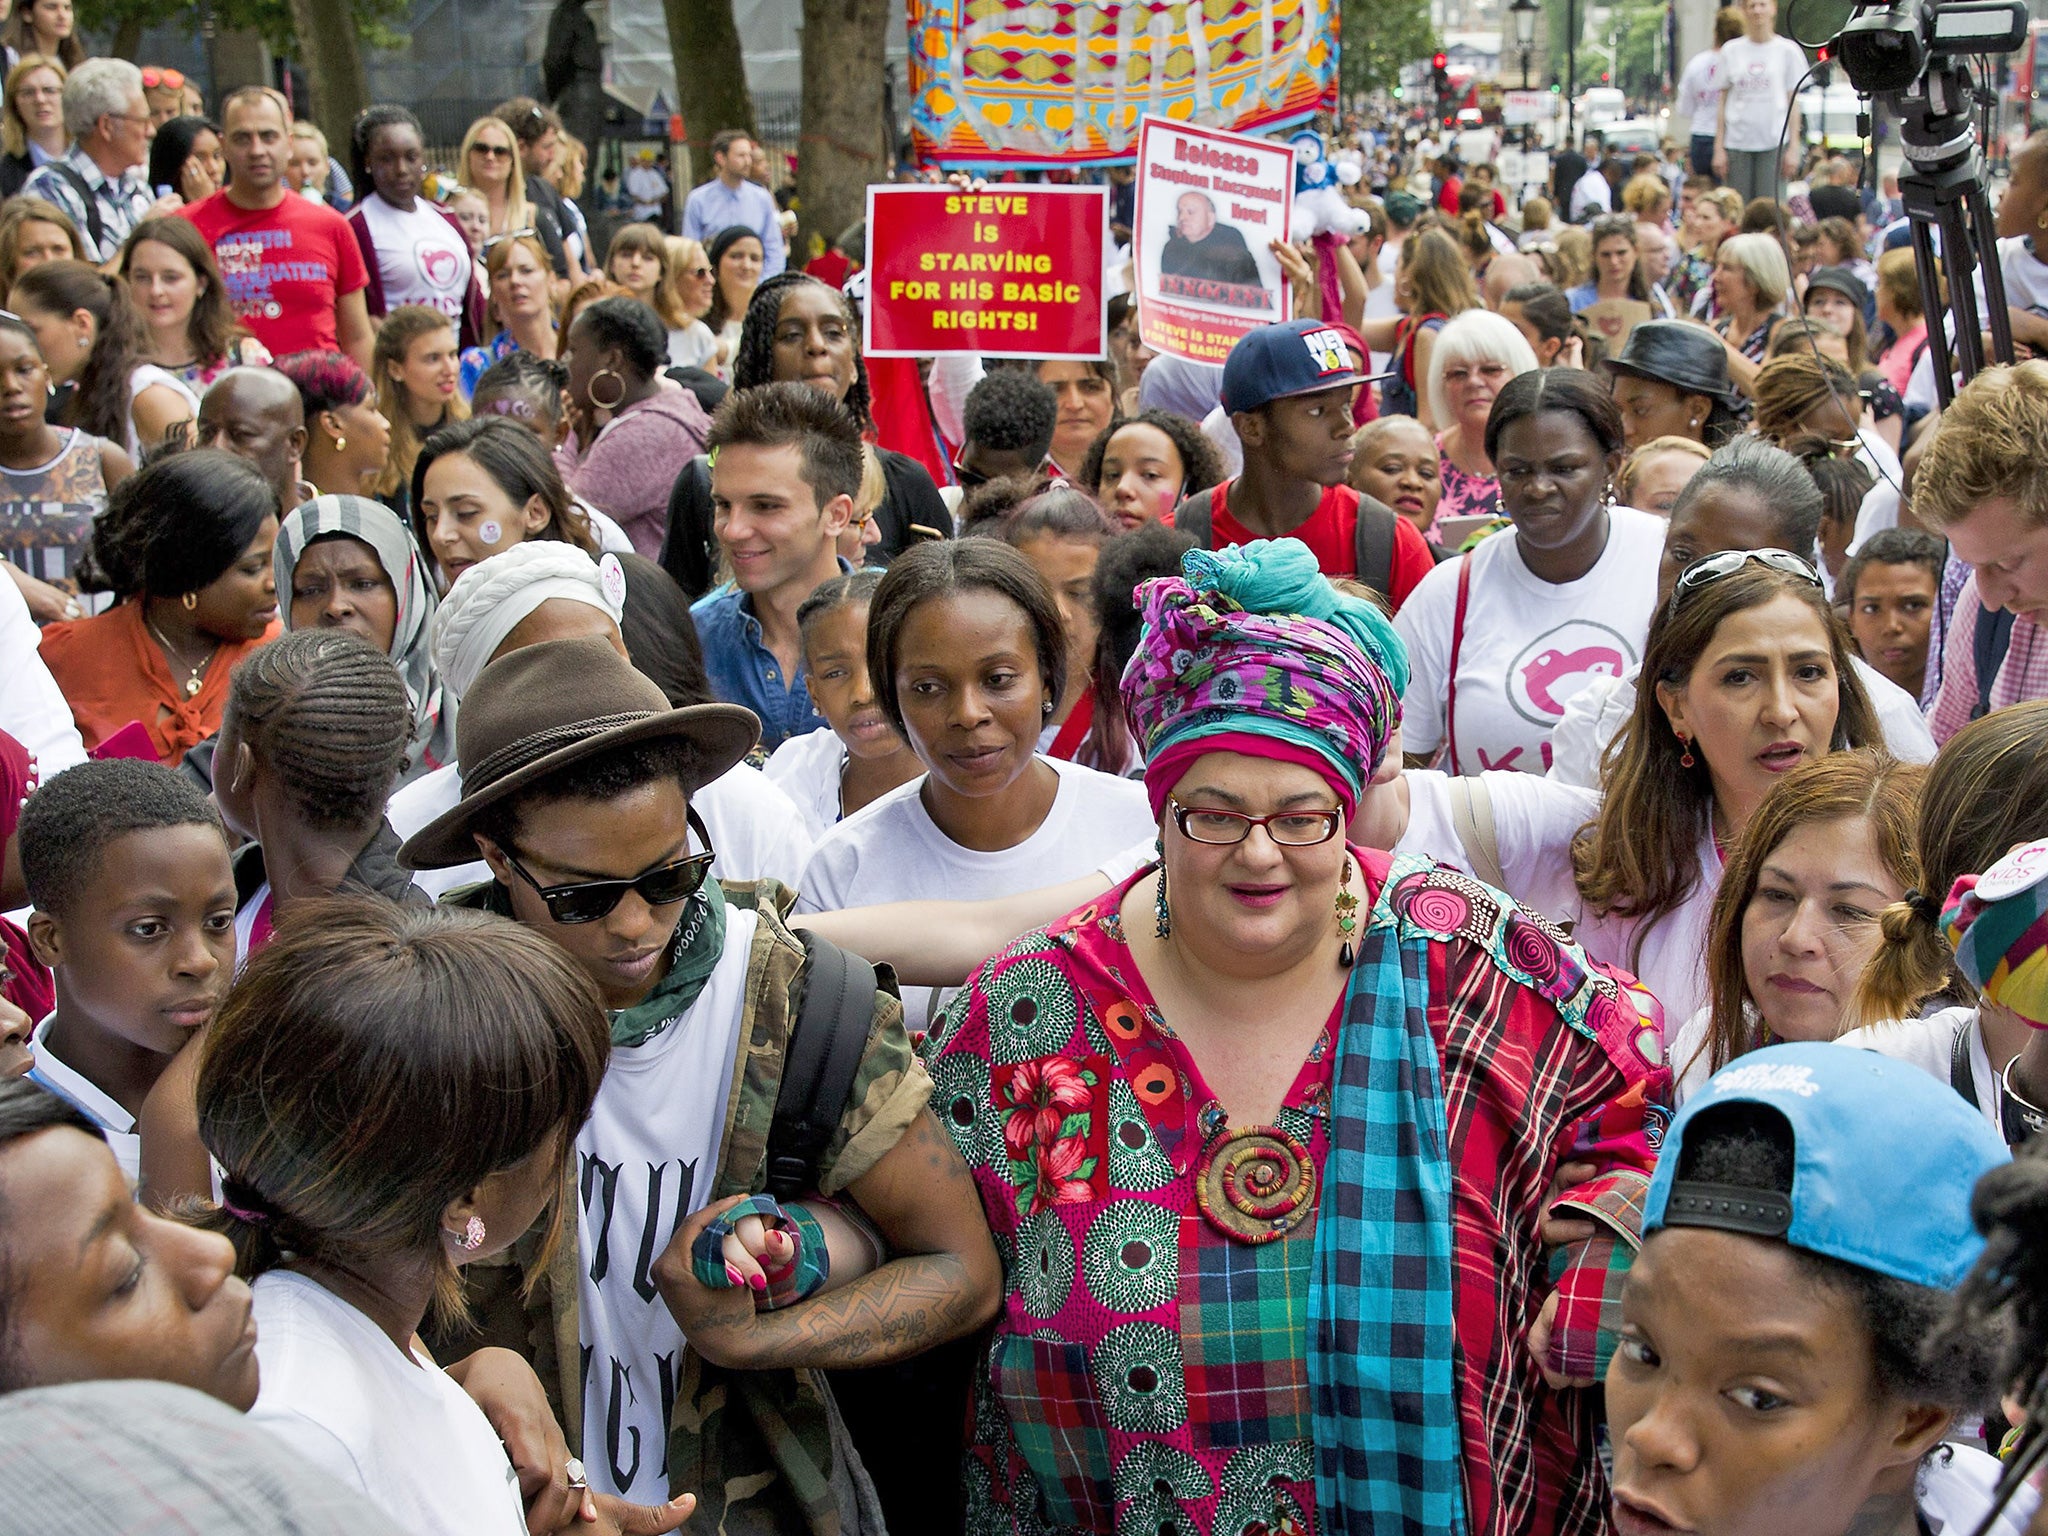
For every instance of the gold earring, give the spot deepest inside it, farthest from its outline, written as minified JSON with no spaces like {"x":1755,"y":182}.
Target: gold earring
{"x":340,"y":442}
{"x":191,"y":602}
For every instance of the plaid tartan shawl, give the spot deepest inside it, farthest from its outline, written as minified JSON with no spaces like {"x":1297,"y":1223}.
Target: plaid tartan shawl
{"x":1383,"y":1339}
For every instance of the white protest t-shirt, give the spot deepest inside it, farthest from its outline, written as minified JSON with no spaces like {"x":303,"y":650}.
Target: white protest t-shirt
{"x":892,"y":850}
{"x":756,"y":833}
{"x":1759,"y":79}
{"x":1699,"y":90}
{"x":808,"y":768}
{"x":645,"y":1160}
{"x":336,"y":1390}
{"x":1534,"y":822}
{"x":1930,"y":1044}
{"x":421,"y":257}
{"x":1528,"y":645}
{"x":89,"y":1099}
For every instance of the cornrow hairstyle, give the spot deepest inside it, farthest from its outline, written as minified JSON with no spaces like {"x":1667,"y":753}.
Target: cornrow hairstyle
{"x":326,"y":381}
{"x":120,"y":340}
{"x":1894,"y":546}
{"x":754,"y":361}
{"x":328,"y":713}
{"x":516,"y":460}
{"x":396,"y":333}
{"x":1011,"y":410}
{"x":661,"y":639}
{"x":364,"y":128}
{"x":824,"y":433}
{"x":1572,"y":391}
{"x":176,"y":524}
{"x":630,"y":328}
{"x":524,"y":387}
{"x":926,"y":572}
{"x":67,"y":824}
{"x":1201,"y":466}
{"x":211,"y":328}
{"x":853,"y":589}
{"x":358,"y":1025}
{"x":1127,"y":561}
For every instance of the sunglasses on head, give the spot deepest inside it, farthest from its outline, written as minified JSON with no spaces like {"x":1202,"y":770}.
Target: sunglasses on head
{"x":1705,"y":572}
{"x":169,"y":79}
{"x":587,"y":901}
{"x":511,"y":234}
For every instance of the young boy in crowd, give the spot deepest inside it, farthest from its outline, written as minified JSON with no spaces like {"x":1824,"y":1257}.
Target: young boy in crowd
{"x":1009,"y":418}
{"x":134,"y":897}
{"x":1890,"y":587}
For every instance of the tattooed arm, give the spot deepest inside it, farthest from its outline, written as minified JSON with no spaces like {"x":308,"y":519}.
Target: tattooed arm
{"x":946,"y":1280}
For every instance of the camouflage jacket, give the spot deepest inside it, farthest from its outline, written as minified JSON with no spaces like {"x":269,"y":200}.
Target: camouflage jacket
{"x":764,"y":1451}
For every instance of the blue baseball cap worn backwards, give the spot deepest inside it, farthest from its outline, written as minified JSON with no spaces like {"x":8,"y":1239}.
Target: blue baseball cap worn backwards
{"x":1884,"y":1160}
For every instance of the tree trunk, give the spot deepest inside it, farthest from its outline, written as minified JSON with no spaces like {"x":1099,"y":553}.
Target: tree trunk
{"x":843,"y":141}
{"x":334,"y":65}
{"x":127,"y":39}
{"x":711,"y":77}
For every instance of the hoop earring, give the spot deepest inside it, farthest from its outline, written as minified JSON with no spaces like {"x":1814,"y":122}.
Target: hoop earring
{"x":191,"y":602}
{"x":613,"y":403}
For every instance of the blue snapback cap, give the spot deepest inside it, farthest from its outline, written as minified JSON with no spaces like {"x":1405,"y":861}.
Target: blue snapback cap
{"x":1884,"y":1159}
{"x":1296,"y":357}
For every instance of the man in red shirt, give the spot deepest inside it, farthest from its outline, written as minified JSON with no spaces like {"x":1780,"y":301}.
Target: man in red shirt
{"x":293,"y":270}
{"x":1288,"y":390}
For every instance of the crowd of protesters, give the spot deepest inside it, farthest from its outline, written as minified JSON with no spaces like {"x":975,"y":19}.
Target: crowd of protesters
{"x":623,"y":918}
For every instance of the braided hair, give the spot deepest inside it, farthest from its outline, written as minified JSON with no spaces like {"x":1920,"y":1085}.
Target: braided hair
{"x":364,"y":128}
{"x":525,"y":387}
{"x":754,"y":361}
{"x":329,"y":714}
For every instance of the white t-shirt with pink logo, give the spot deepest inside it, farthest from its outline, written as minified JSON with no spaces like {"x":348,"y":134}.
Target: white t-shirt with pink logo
{"x":1528,"y":645}
{"x":421,"y":257}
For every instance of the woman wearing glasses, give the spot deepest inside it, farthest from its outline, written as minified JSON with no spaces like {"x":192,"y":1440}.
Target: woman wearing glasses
{"x":522,"y":299}
{"x":32,"y":121}
{"x":489,"y":162}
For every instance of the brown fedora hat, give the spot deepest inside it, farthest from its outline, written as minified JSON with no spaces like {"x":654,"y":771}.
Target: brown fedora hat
{"x":548,"y":706}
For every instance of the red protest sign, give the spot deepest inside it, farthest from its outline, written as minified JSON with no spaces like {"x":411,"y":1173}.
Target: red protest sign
{"x":1209,"y":205}
{"x":1009,"y":271}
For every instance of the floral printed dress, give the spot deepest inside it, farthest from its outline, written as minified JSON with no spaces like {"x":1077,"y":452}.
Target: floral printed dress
{"x":1150,"y":1372}
{"x":1464,"y":493}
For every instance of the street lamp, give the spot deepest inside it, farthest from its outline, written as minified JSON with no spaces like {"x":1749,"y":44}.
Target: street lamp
{"x":1523,"y":15}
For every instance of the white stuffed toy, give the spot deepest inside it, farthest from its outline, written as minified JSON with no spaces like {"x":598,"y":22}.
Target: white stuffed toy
{"x":1319,"y":206}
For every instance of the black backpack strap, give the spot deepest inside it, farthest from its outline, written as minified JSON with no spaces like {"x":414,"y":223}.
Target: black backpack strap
{"x":1989,"y":643}
{"x":1373,"y":546}
{"x":95,"y":226}
{"x":1961,"y":1077}
{"x":818,"y":1066}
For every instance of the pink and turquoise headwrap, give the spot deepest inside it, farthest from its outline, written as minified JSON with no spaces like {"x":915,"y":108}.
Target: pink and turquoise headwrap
{"x":1252,"y":650}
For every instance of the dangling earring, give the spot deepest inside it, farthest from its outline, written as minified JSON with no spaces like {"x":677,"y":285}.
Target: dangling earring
{"x":191,"y":602}
{"x":613,"y":403}
{"x":1685,"y":757}
{"x":472,"y":1234}
{"x":1162,"y":926}
{"x":1347,"y":918}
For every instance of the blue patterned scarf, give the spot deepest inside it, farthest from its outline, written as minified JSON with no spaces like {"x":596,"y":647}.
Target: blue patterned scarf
{"x":1383,"y":1343}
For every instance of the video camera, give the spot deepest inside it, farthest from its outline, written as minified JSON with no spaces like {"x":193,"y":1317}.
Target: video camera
{"x":1914,"y":56}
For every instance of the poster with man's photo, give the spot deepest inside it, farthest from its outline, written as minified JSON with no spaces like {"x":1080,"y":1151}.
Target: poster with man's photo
{"x":1209,"y":206}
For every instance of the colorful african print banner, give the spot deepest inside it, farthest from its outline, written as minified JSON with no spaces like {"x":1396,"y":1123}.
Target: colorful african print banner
{"x":1064,"y":82}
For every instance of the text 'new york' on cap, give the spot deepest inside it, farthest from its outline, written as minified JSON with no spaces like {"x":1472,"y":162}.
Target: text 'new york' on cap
{"x":1296,"y":357}
{"x":1884,"y":1158}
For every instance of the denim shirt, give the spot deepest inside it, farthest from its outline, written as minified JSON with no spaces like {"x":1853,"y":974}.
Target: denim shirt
{"x":744,"y":671}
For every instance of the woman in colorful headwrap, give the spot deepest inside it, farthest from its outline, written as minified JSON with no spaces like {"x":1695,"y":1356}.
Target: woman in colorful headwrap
{"x":347,"y":562}
{"x":1317,"y":1051}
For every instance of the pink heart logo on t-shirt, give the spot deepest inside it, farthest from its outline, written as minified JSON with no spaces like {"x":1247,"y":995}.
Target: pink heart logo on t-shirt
{"x":442,"y":267}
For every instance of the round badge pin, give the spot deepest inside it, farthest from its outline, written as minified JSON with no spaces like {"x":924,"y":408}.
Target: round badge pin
{"x":2021,"y":870}
{"x":488,"y":532}
{"x":611,"y":576}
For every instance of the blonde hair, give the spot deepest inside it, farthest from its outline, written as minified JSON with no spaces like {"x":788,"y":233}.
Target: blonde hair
{"x":1439,"y":281}
{"x":395,"y":335}
{"x":499,"y":255}
{"x":1535,"y":215}
{"x":1632,"y":469}
{"x":518,"y":212}
{"x":1898,"y":279}
{"x":572,"y":165}
{"x":872,"y":486}
{"x":1762,"y":261}
{"x":1574,"y":256}
{"x":1990,"y":444}
{"x":680,"y":260}
{"x":1646,"y":196}
{"x":312,"y":134}
{"x":13,"y":126}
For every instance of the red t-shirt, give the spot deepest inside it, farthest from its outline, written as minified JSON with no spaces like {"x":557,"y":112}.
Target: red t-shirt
{"x":1331,"y":533}
{"x":284,"y":267}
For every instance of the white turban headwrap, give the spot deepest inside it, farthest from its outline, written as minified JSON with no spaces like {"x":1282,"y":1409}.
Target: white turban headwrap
{"x":489,"y":599}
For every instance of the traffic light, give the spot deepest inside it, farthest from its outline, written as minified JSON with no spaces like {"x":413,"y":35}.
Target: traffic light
{"x":1438,"y":61}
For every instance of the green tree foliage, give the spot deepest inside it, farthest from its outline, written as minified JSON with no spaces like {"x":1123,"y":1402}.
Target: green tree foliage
{"x":124,"y":21}
{"x":1381,"y":38}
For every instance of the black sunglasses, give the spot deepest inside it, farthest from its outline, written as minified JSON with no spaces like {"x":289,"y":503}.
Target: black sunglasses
{"x":586,"y":901}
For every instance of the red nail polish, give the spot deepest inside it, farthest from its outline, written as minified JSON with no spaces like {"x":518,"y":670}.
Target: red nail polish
{"x":758,"y":1282}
